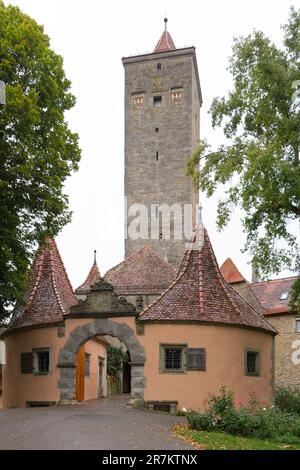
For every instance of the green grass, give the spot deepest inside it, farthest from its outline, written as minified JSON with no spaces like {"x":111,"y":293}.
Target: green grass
{"x":222,"y":441}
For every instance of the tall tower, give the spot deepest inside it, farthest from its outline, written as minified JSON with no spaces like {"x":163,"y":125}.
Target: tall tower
{"x":162,"y":121}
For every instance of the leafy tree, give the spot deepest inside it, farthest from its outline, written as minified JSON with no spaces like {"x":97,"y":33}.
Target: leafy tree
{"x":115,"y":358}
{"x":37,"y":149}
{"x":259,"y":166}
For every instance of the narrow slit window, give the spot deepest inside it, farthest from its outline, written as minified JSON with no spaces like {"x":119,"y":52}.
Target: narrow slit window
{"x":156,"y":156}
{"x":157,"y":130}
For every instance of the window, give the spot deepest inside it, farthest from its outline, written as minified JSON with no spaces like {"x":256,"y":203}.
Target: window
{"x":158,"y":67}
{"x":138,"y":101}
{"x":176,"y":95}
{"x":196,"y":359}
{"x":172,"y":358}
{"x":41,"y":361}
{"x":87,"y":364}
{"x":157,"y":100}
{"x":284,"y":295}
{"x":156,"y":156}
{"x":252,"y":362}
{"x":26,"y":363}
{"x":156,"y":130}
{"x":297,"y":325}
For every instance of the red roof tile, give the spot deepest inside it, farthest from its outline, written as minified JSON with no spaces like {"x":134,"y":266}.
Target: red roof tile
{"x":200,"y":293}
{"x":268,"y":293}
{"x":49,"y":295}
{"x":165,"y":42}
{"x":144,"y":272}
{"x":230,"y":272}
{"x":93,"y":276}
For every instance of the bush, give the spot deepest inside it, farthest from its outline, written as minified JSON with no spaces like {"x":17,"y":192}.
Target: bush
{"x":288,"y":399}
{"x":248,"y":421}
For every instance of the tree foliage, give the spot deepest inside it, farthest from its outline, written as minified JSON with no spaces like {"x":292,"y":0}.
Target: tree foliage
{"x":37,"y":149}
{"x":259,"y":165}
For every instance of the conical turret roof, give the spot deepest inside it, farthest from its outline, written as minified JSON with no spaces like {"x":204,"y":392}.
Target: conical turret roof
{"x":200,"y":293}
{"x":165,"y":42}
{"x":49,"y":294}
{"x":92,"y":277}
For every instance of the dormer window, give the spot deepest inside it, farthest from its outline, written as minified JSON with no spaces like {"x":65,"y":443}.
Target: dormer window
{"x":284,"y":295}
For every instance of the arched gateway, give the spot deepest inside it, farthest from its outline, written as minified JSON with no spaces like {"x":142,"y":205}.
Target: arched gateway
{"x":100,"y":327}
{"x":101,"y":303}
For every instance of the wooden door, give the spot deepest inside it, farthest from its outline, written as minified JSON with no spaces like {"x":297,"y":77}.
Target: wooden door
{"x":80,"y":374}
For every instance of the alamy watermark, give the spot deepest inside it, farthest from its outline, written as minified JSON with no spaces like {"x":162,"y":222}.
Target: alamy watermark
{"x":163,"y":222}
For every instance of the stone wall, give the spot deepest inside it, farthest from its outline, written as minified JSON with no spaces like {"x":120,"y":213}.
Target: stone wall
{"x":160,"y":139}
{"x":287,"y":360}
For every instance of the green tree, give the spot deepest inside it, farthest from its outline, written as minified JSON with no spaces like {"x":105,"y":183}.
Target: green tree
{"x":259,"y":166}
{"x":37,"y":149}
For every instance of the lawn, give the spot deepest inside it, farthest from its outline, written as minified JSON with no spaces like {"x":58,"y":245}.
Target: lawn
{"x":222,"y":441}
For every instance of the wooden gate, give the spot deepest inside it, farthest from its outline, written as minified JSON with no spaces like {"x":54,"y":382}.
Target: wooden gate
{"x":80,"y":374}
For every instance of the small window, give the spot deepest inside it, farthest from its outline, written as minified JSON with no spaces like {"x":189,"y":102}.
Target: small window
{"x":156,"y":156}
{"x":158,"y":66}
{"x":176,"y":95}
{"x":87,"y":364}
{"x":138,"y":101}
{"x":297,"y":325}
{"x":157,"y":100}
{"x":196,"y":359}
{"x":41,"y":361}
{"x":172,"y":358}
{"x":284,"y":295}
{"x":157,"y":130}
{"x":252,"y":363}
{"x":26,"y":363}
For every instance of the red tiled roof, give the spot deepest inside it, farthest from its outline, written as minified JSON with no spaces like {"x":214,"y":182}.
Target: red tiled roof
{"x":93,"y":276}
{"x":144,"y":272}
{"x":268,"y":293}
{"x":200,"y":293}
{"x":165,"y":42}
{"x":230,"y":272}
{"x":49,"y":294}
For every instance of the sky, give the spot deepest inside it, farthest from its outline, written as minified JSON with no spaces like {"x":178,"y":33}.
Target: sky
{"x":92,"y":37}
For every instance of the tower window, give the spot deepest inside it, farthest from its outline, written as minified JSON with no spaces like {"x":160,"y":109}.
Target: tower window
{"x":156,"y":130}
{"x":176,"y":95}
{"x":157,"y":100}
{"x":138,"y":101}
{"x":158,"y":66}
{"x":157,"y":156}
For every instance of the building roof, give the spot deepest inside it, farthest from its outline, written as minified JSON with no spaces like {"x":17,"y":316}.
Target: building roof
{"x":269,"y":294}
{"x":92,"y":277}
{"x":230,"y":272}
{"x":165,"y":42}
{"x":49,"y":294}
{"x":144,"y":272}
{"x":200,"y":293}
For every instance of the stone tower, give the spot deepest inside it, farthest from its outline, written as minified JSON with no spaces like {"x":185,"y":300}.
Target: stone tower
{"x":162,"y":120}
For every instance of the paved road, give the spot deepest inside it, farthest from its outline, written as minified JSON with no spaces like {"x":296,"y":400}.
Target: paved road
{"x":98,"y":424}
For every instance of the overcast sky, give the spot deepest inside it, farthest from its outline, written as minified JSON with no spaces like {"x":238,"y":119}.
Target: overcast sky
{"x":93,"y":36}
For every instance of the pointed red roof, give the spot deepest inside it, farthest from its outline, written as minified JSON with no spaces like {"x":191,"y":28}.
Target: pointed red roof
{"x":93,"y":276}
{"x":144,"y":272}
{"x":165,"y":42}
{"x":49,"y":294}
{"x":230,"y":272}
{"x":274,"y":295}
{"x":199,"y":292}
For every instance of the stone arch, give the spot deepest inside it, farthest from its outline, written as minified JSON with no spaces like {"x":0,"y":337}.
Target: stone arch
{"x":81,"y":334}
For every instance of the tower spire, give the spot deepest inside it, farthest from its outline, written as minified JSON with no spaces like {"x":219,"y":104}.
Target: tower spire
{"x":165,"y":42}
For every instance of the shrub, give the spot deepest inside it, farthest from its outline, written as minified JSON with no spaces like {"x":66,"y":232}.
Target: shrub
{"x":288,"y":399}
{"x":248,"y":421}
